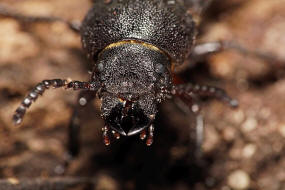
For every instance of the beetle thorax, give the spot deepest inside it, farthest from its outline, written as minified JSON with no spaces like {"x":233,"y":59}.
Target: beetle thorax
{"x":132,"y":69}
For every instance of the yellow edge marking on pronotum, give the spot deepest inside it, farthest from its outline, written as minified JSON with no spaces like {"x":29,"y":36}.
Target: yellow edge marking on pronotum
{"x":147,"y":45}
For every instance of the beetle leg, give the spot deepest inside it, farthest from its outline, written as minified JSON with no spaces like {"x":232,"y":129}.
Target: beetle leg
{"x":7,"y":12}
{"x":203,"y":49}
{"x":199,"y":123}
{"x":186,"y":92}
{"x":188,"y":100}
{"x":73,"y":145}
{"x":190,"y":90}
{"x":44,"y":85}
{"x":74,"y":125}
{"x":199,"y":129}
{"x":73,"y":134}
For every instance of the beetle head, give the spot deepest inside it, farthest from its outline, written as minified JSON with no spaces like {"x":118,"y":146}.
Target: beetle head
{"x":133,"y":76}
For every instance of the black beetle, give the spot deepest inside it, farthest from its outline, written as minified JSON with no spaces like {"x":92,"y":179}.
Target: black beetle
{"x":135,"y":45}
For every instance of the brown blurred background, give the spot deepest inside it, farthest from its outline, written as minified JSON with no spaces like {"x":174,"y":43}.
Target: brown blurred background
{"x":243,"y":148}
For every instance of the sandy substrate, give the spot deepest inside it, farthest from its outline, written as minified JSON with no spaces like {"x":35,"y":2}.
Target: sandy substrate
{"x":243,"y":148}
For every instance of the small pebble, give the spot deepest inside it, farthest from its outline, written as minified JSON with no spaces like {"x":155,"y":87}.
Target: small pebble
{"x":212,"y":139}
{"x":229,"y":133}
{"x":13,"y":181}
{"x":239,"y":180}
{"x":82,"y":101}
{"x":238,"y":116}
{"x":249,"y":125}
{"x":105,"y":182}
{"x":282,"y":130}
{"x":249,"y":150}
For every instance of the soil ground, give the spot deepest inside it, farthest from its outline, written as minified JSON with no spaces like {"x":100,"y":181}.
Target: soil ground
{"x":243,"y":148}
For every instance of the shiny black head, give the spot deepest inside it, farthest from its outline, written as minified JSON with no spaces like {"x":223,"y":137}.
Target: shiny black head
{"x":128,"y":117}
{"x":135,"y":78}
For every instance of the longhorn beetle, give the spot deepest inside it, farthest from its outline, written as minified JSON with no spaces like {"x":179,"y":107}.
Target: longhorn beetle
{"x":135,"y":46}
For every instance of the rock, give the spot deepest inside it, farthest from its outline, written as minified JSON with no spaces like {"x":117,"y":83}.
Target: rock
{"x":239,"y":180}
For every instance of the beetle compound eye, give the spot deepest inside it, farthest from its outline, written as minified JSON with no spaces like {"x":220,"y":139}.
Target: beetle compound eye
{"x":100,"y":67}
{"x":159,"y":68}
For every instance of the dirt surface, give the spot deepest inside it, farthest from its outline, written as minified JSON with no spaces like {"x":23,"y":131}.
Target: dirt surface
{"x":243,"y":148}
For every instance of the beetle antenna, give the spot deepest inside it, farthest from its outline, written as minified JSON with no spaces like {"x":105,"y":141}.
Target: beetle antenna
{"x":189,"y":90}
{"x":44,"y":85}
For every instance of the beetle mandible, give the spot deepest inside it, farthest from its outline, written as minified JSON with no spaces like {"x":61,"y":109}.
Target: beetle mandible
{"x":135,"y":46}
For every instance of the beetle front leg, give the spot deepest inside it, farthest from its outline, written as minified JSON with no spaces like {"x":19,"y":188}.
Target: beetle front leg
{"x":74,"y":126}
{"x":187,"y":92}
{"x":200,"y":51}
{"x":73,"y":144}
{"x":44,"y":85}
{"x":193,"y":108}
